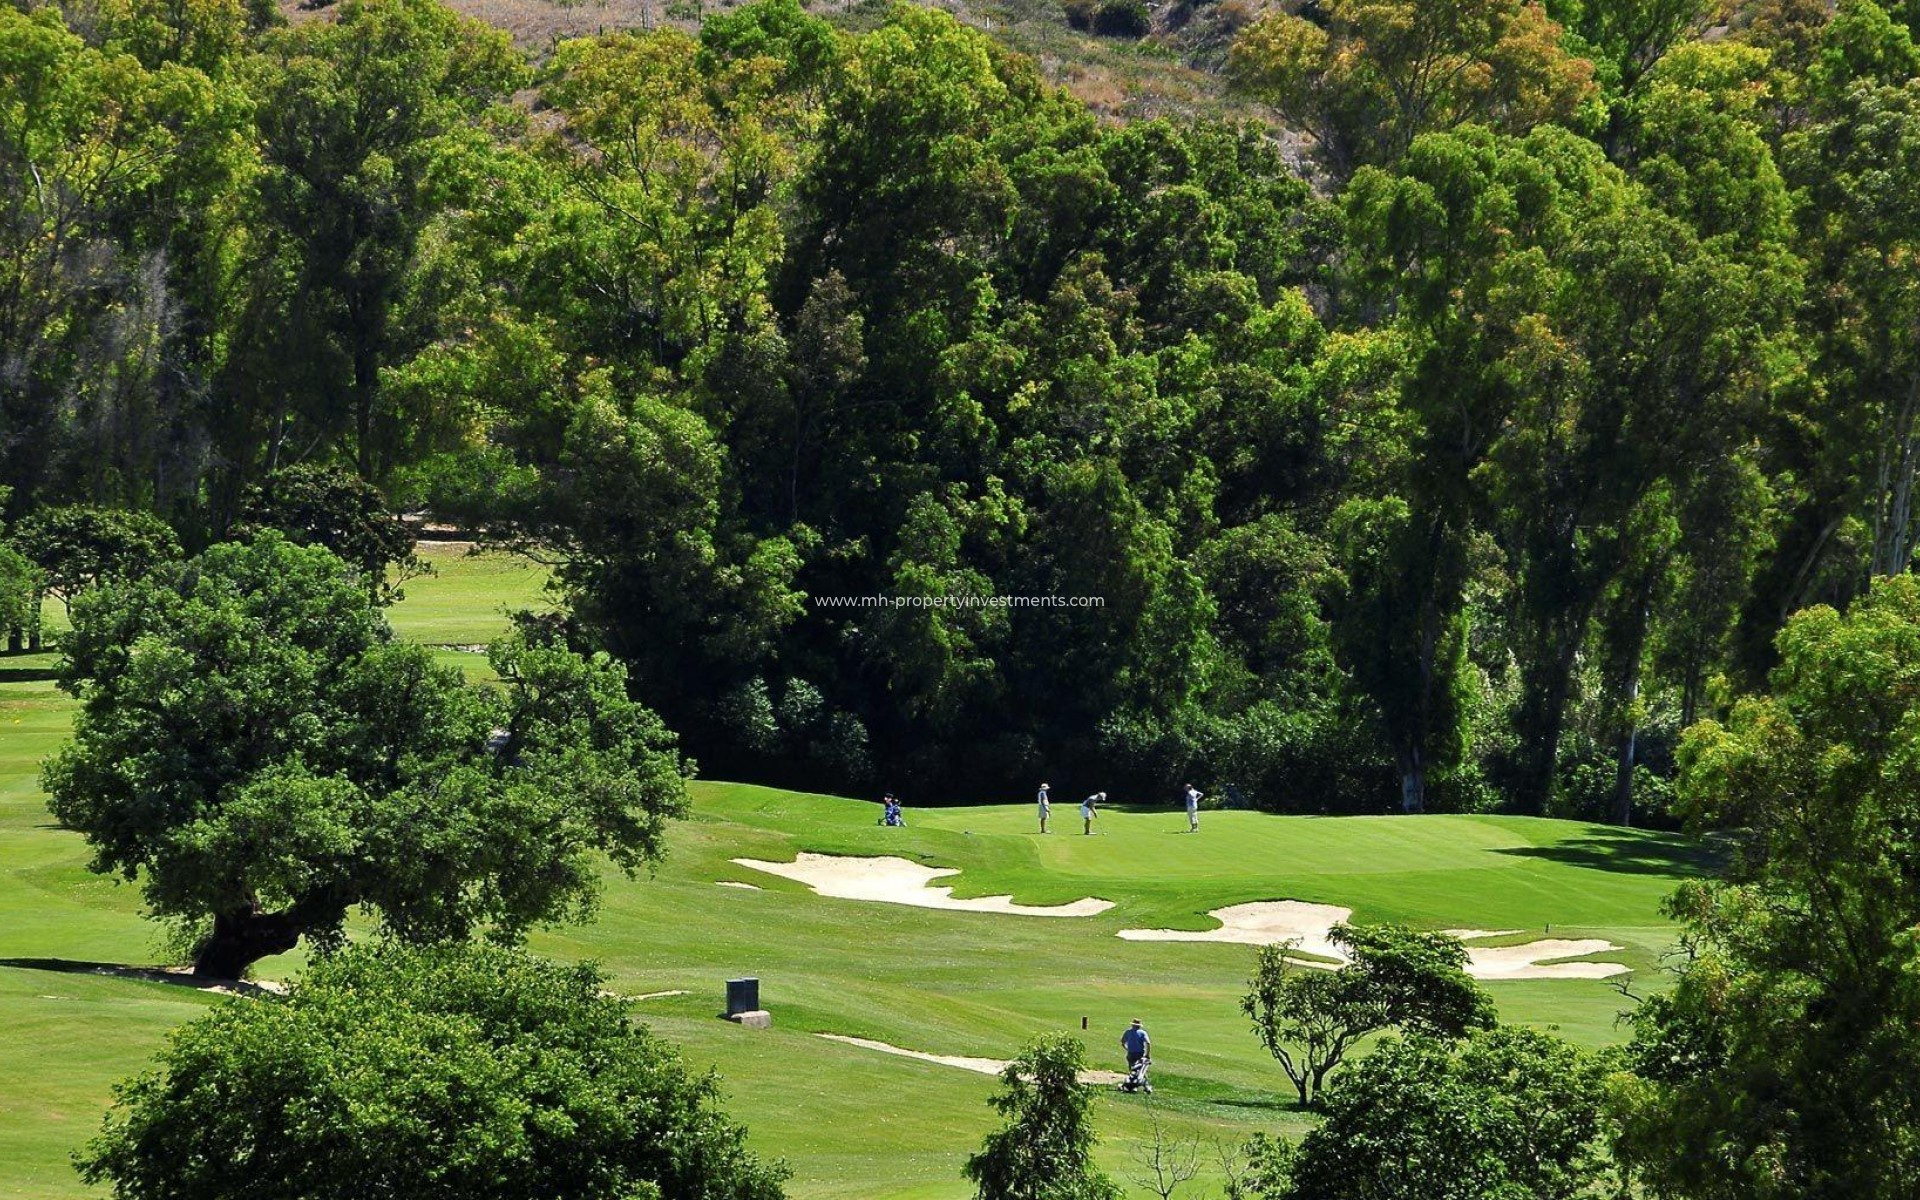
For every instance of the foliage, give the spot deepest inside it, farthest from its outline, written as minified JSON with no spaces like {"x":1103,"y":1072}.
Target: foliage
{"x":1122,"y":18}
{"x":1509,"y":1112}
{"x":1448,"y":447}
{"x":253,"y":747}
{"x":1044,"y":1150}
{"x":1781,"y":1064}
{"x":75,"y":546}
{"x":1310,"y":1017}
{"x":19,"y":594}
{"x":331,"y":507}
{"x":1378,"y":73}
{"x":475,"y":1071}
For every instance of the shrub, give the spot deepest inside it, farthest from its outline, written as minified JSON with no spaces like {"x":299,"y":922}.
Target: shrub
{"x":1122,"y":18}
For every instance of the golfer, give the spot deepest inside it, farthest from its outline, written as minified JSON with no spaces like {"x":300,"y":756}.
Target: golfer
{"x":1193,"y":809}
{"x":1136,"y":1043}
{"x":1089,"y":809}
{"x":1046,"y":807}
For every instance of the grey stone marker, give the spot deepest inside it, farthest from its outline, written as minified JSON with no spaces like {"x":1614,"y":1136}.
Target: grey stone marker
{"x":743,"y":1004}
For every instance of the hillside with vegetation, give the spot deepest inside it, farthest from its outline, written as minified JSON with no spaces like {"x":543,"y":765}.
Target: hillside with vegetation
{"x":1494,"y":414}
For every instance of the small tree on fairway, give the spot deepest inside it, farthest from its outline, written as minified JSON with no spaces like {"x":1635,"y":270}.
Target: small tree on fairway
{"x":1308,"y":1018}
{"x":1045,"y":1149}
{"x":450,"y":1071}
{"x":255,"y":749}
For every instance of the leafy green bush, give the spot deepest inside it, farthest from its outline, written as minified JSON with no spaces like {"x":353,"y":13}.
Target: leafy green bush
{"x":477,"y":1072}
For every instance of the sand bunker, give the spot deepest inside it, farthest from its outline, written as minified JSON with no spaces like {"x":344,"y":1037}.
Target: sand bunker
{"x":1269,"y":922}
{"x":1529,"y":960}
{"x":735,"y":883}
{"x":1263,"y":924}
{"x":890,"y":880}
{"x":982,"y":1066}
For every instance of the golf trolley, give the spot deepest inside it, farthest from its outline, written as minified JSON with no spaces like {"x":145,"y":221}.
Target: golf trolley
{"x":1136,"y":1080}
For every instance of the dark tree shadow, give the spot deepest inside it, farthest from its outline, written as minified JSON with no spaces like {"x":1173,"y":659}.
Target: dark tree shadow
{"x":175,"y":978}
{"x":28,"y":674}
{"x":1631,"y":852}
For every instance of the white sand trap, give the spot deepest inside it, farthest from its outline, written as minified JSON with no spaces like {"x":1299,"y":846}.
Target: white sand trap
{"x":1268,"y":922}
{"x":1263,"y":923}
{"x":660,"y":995}
{"x":735,"y":883}
{"x":981,"y":1066}
{"x":890,"y":880}
{"x":1529,"y":960}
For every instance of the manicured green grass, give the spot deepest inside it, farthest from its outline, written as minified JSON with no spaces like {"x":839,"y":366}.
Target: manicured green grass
{"x":465,"y":601}
{"x":852,"y":1122}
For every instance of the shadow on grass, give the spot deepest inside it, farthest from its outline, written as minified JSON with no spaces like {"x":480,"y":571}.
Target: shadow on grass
{"x":28,"y":674}
{"x":1629,"y":852}
{"x":176,"y":978}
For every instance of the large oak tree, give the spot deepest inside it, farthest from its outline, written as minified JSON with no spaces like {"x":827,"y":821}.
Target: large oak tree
{"x":258,"y":752}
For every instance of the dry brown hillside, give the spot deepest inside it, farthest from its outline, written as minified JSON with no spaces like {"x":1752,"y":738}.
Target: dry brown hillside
{"x":1170,"y":71}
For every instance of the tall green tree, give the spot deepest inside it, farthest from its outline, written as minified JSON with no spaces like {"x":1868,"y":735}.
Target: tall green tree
{"x":1369,"y":76}
{"x":113,"y":166}
{"x":1310,"y":1017}
{"x":353,"y":114}
{"x":1781,"y":1064}
{"x":255,"y":750}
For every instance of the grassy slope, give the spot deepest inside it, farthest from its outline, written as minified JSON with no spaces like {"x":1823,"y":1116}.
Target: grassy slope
{"x":854,"y":1123}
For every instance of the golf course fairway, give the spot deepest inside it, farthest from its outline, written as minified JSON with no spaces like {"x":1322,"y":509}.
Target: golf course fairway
{"x":850,"y":1120}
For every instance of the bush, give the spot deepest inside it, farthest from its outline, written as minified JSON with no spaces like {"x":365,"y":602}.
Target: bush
{"x":1513,"y":1112}
{"x":482,"y":1073}
{"x":1122,"y":18}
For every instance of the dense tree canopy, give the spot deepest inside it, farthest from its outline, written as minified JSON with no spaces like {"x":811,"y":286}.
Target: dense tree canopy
{"x":1783,"y":1064}
{"x":897,"y":423}
{"x":255,"y":750}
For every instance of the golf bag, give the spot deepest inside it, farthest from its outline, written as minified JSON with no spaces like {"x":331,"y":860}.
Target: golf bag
{"x":1136,"y":1080}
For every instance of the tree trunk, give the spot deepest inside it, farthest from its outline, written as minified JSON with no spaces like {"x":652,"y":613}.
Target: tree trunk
{"x":1623,"y":779}
{"x":1893,"y":506}
{"x":366,"y":391}
{"x":1413,"y":780}
{"x":241,"y":938}
{"x":1543,"y":714}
